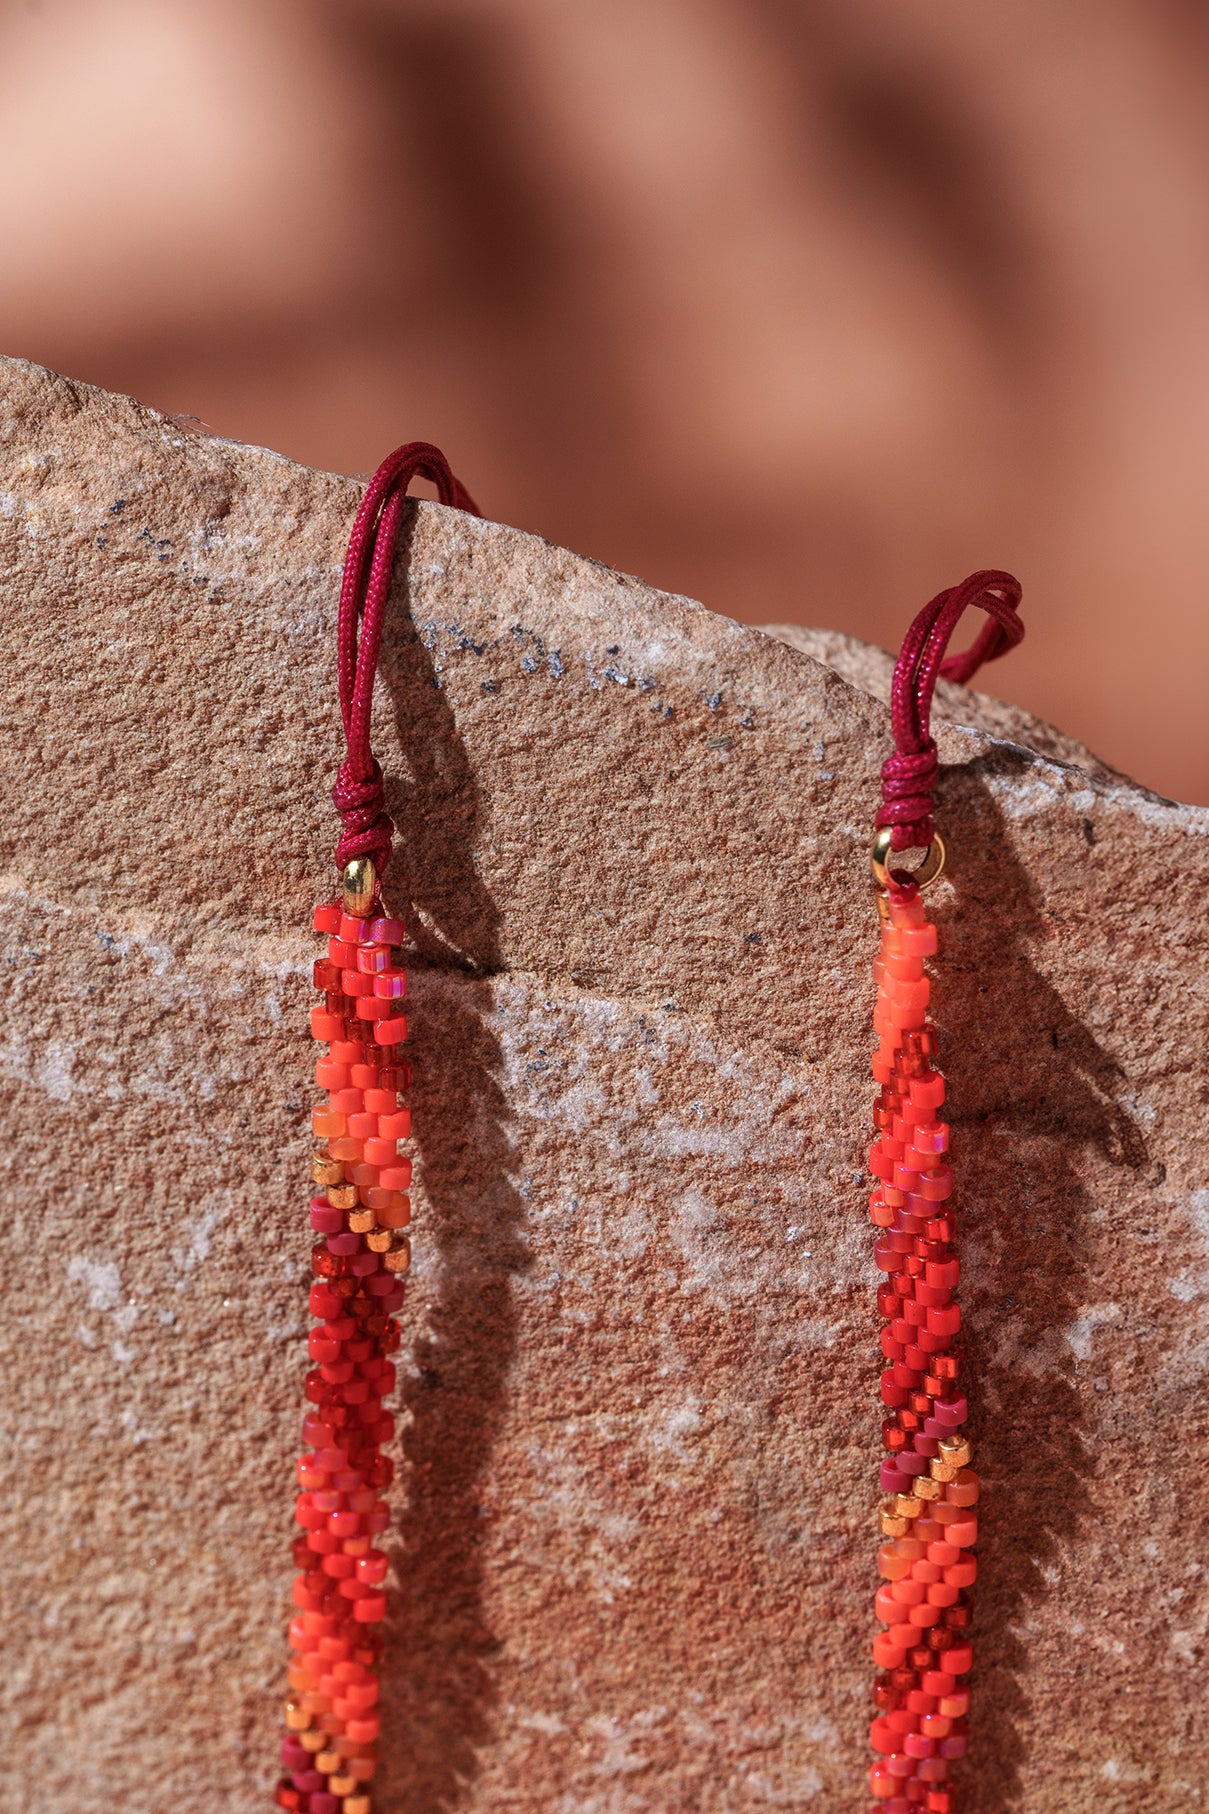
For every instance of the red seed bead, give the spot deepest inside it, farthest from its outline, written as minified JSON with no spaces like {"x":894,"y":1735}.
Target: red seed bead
{"x":390,"y":1032}
{"x":386,"y":931}
{"x":381,"y":1152}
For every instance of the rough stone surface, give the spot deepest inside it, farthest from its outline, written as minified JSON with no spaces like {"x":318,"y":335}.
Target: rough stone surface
{"x":635,"y":1516}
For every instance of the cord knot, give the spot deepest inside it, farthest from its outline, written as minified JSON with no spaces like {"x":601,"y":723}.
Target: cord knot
{"x":908,"y":778}
{"x":368,"y":829}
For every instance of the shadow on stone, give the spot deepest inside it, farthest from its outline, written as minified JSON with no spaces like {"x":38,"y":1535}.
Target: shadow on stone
{"x":438,"y":1686}
{"x":1033,"y":1099}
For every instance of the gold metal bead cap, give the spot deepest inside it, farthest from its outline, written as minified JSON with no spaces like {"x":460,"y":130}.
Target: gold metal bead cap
{"x":360,"y":886}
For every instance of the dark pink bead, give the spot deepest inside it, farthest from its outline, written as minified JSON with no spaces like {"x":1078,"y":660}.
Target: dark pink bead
{"x":344,"y":1244}
{"x":324,"y":1219}
{"x":386,"y":931}
{"x":952,"y":1411}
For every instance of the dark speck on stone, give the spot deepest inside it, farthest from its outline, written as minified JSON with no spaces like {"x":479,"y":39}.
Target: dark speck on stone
{"x":117,"y":509}
{"x":713,"y":701}
{"x":491,"y":686}
{"x":529,"y":663}
{"x":614,"y":648}
{"x":556,"y":664}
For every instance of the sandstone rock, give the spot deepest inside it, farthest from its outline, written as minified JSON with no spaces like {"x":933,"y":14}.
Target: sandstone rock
{"x":635,"y":1520}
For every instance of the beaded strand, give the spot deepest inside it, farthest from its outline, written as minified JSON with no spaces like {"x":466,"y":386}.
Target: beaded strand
{"x":928,"y":1519}
{"x":360,"y":1216}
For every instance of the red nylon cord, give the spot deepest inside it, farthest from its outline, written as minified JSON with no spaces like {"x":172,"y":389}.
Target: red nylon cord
{"x":358,"y":793}
{"x":909,"y":775}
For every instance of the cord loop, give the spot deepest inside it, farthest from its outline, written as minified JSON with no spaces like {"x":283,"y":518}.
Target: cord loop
{"x":909,"y":774}
{"x":359,"y":797}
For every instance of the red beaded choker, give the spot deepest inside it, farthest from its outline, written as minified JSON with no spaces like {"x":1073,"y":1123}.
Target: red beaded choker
{"x":929,"y":1518}
{"x":360,"y":1217}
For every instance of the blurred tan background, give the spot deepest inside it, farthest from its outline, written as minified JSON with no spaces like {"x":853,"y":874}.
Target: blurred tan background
{"x":803,"y":307}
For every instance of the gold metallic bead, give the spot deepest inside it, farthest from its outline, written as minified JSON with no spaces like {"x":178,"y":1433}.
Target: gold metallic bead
{"x":906,"y":1505}
{"x":361,"y":1221}
{"x":342,"y":1196}
{"x":297,"y":1718}
{"x":325,"y":1170}
{"x":399,"y":1258}
{"x":942,"y":1470}
{"x":342,"y":1785}
{"x":327,"y":1761}
{"x":958,"y":1450}
{"x":892,"y":1526}
{"x":360,"y":884}
{"x":378,"y":1240}
{"x":313,"y":1739}
{"x":926,"y":1487}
